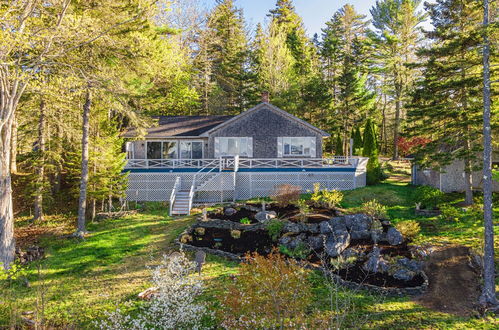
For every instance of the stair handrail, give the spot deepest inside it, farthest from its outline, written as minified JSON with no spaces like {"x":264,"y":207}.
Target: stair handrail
{"x":173,"y":195}
{"x":201,"y":171}
{"x":191,"y":199}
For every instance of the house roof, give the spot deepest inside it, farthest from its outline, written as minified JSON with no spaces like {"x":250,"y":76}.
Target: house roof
{"x":271,"y":107}
{"x":193,"y":126}
{"x":169,"y":126}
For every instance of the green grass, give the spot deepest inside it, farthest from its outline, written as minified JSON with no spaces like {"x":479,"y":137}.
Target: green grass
{"x":79,"y":280}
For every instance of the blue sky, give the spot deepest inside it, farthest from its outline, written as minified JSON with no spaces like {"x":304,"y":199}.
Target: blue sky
{"x":315,"y":13}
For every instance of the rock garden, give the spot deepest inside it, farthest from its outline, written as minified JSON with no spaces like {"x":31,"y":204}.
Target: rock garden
{"x":361,"y":249}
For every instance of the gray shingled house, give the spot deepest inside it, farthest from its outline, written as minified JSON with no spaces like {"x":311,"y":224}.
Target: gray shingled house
{"x":203,"y":159}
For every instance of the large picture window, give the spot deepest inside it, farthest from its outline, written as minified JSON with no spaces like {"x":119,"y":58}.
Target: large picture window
{"x":174,"y":149}
{"x":298,"y":146}
{"x":233,"y":146}
{"x":191,"y":150}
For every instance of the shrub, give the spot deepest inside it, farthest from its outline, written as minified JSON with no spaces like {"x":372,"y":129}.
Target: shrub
{"x":325,"y":198}
{"x":304,"y":209}
{"x":450,"y":213}
{"x":301,"y":251}
{"x":269,"y":293}
{"x":286,"y":194}
{"x":374,"y":173}
{"x":274,"y":228}
{"x":409,"y":229}
{"x":429,"y":197}
{"x":174,"y":306}
{"x":245,"y":221}
{"x":374,"y":209}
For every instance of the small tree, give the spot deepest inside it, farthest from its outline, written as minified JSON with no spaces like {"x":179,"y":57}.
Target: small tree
{"x":374,"y":174}
{"x":338,"y":147}
{"x":357,"y":141}
{"x":270,"y":292}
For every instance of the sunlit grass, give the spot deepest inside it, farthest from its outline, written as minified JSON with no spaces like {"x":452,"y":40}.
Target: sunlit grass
{"x":79,"y":280}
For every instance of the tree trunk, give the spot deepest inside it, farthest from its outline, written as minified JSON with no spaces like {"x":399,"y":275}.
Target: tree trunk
{"x":94,"y":208}
{"x":468,"y":183}
{"x":397,"y":123}
{"x":110,"y":204}
{"x":38,"y":216}
{"x":13,"y":147}
{"x":488,"y":296}
{"x":7,"y":242}
{"x":82,"y":204}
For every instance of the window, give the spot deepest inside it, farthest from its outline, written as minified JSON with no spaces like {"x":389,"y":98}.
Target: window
{"x":169,"y":150}
{"x":298,"y":146}
{"x":191,"y":150}
{"x":232,"y":146}
{"x":154,"y":150}
{"x":174,"y":149}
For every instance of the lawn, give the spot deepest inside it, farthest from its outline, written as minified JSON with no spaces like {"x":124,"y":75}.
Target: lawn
{"x":79,"y":280}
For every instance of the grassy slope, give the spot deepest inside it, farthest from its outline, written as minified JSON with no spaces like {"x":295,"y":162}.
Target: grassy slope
{"x":81,"y":279}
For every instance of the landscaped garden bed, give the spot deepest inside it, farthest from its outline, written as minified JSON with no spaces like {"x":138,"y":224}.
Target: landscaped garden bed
{"x":357,"y":249}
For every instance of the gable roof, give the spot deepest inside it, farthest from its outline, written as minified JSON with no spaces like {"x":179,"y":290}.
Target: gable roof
{"x":170,"y":126}
{"x":270,"y":107}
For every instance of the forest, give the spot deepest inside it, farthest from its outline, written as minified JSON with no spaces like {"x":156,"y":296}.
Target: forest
{"x":76,"y":74}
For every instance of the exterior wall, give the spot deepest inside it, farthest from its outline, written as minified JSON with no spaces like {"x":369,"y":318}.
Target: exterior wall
{"x":157,"y":186}
{"x":451,"y":179}
{"x":265,"y":126}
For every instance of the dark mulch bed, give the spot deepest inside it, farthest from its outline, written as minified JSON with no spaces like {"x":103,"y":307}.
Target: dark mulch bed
{"x":290,"y":212}
{"x":357,"y":274}
{"x":241,"y":214}
{"x":259,"y":241}
{"x":221,"y":239}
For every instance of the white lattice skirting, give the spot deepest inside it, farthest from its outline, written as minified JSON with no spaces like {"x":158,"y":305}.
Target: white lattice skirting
{"x":244,"y":185}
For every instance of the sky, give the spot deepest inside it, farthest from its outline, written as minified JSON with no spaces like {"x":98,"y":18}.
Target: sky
{"x":315,"y":13}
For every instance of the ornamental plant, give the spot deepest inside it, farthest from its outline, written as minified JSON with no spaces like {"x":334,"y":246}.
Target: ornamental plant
{"x":374,"y":173}
{"x":374,"y":209}
{"x":286,"y":194}
{"x":175,"y":304}
{"x":326,"y":198}
{"x":270,"y":292}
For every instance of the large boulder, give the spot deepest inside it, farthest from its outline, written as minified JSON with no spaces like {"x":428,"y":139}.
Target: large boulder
{"x":316,"y":242}
{"x":333,"y":225}
{"x":294,"y":227}
{"x":264,"y":216}
{"x":375,"y":262}
{"x":404,"y":274}
{"x":412,"y":265}
{"x":353,"y":252}
{"x":313,"y":228}
{"x":336,"y":243}
{"x":229,"y":211}
{"x":394,"y":237}
{"x":292,"y":242}
{"x":359,"y":226}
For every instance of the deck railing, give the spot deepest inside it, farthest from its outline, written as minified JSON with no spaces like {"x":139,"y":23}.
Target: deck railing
{"x":241,"y":163}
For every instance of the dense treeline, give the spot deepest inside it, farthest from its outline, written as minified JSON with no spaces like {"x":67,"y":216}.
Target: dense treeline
{"x":76,"y":74}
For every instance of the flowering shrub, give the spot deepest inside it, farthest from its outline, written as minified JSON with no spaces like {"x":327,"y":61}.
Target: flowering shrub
{"x":173,"y":306}
{"x":304,"y":209}
{"x":286,"y":194}
{"x":270,"y":292}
